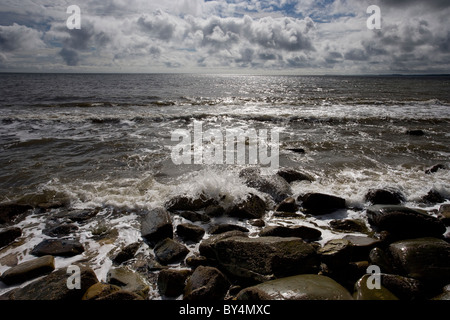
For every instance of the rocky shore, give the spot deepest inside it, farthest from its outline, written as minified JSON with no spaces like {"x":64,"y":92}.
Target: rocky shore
{"x":258,"y":248}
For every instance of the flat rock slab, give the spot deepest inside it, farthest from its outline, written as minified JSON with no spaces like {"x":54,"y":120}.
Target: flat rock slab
{"x":300,"y":287}
{"x":58,"y":247}
{"x":28,"y":270}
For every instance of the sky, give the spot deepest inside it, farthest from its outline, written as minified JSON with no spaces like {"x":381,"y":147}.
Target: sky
{"x":226,"y":36}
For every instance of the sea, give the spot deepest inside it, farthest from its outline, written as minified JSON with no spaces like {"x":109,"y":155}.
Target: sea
{"x":106,"y":141}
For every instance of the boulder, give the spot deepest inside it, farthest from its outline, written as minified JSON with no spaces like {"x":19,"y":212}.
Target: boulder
{"x":365,"y":292}
{"x":9,"y":211}
{"x":171,"y":282}
{"x":444,"y":214}
{"x":435,"y":168}
{"x":7,"y":236}
{"x":99,"y":290}
{"x":404,"y":222}
{"x":185,"y":203}
{"x":28,"y":270}
{"x":126,"y":253}
{"x":54,"y":286}
{"x":206,"y":247}
{"x":425,"y":259}
{"x":225,"y":227}
{"x":128,"y":280}
{"x":403,"y":287}
{"x":156,"y":225}
{"x":384,"y":196}
{"x":349,"y":225}
{"x":306,"y":233}
{"x":206,"y":283}
{"x":81,"y":215}
{"x":361,"y":246}
{"x":432,"y":197}
{"x":299,"y":287}
{"x":319,"y":203}
{"x":287,"y":205}
{"x":381,"y":259}
{"x":190,"y":232}
{"x":291,"y":175}
{"x":194,"y":216}
{"x":415,"y":132}
{"x":170,"y":251}
{"x":263,"y":258}
{"x":253,"y":207}
{"x":60,"y":230}
{"x":336,"y":253}
{"x":58,"y":247}
{"x":273,"y":185}
{"x":214,"y":211}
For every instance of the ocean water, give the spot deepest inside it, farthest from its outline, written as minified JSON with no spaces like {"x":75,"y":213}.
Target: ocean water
{"x":105,"y":141}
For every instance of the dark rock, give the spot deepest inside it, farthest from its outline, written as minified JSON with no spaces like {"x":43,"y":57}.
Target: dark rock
{"x":273,"y":185}
{"x":299,"y":287}
{"x":253,"y":207}
{"x":336,"y":253}
{"x":379,"y":258}
{"x":287,"y":205}
{"x":444,"y":214}
{"x":296,"y":150}
{"x":128,"y":280}
{"x":214,"y":211}
{"x":184,"y":203}
{"x":225,"y":227}
{"x":99,"y":290}
{"x":28,"y":270}
{"x":405,"y":222}
{"x":384,"y":196}
{"x":206,"y":283}
{"x":196,"y":260}
{"x":206,"y":247}
{"x":171,"y":282}
{"x":190,"y":232}
{"x":60,"y":230}
{"x":319,"y":203}
{"x":256,"y":222}
{"x":126,"y":253}
{"x":81,"y":215}
{"x":349,"y":225}
{"x":432,"y":197}
{"x":444,"y":295}
{"x":54,"y":286}
{"x":416,"y":132}
{"x":156,"y":225}
{"x":361,"y":246}
{"x":9,"y":211}
{"x":403,"y":287}
{"x":58,"y":247}
{"x":435,"y":168}
{"x":194,"y":216}
{"x":7,"y":236}
{"x":363,"y":292}
{"x":263,"y":258}
{"x":291,"y":175}
{"x":425,"y":259}
{"x":306,"y":233}
{"x":169,"y":251}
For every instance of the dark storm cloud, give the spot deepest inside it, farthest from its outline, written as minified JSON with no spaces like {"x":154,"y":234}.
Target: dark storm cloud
{"x":70,"y":56}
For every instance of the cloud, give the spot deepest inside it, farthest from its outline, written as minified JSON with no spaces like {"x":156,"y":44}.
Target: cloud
{"x":19,"y":38}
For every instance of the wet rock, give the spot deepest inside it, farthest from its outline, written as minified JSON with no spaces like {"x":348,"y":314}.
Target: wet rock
{"x":171,"y":282}
{"x":81,"y":215}
{"x":306,"y":233}
{"x":291,"y":175}
{"x":349,"y":225}
{"x":415,"y":132}
{"x":99,"y":290}
{"x":380,"y":258}
{"x":214,"y":211}
{"x":319,"y":203}
{"x":287,"y":205}
{"x":58,"y":247}
{"x":225,"y":227}
{"x":10,"y":211}
{"x":336,"y":253}
{"x":253,"y":207}
{"x":363,"y":291}
{"x":444,"y":214}
{"x":60,"y":230}
{"x":169,"y":251}
{"x":190,"y":232}
{"x":185,"y":203}
{"x":128,"y":280}
{"x":384,"y":196}
{"x":196,"y":260}
{"x":126,"y":253}
{"x":432,"y":197}
{"x":299,"y":287}
{"x":435,"y":168}
{"x":263,"y":258}
{"x":273,"y":185}
{"x":194,"y":216}
{"x":206,"y":247}
{"x":404,"y":222}
{"x":256,"y":222}
{"x":361,"y":246}
{"x":297,"y":150}
{"x":206,"y":283}
{"x":28,"y":270}
{"x":54,"y":286}
{"x":403,"y":287}
{"x":156,"y":225}
{"x":7,"y":236}
{"x":425,"y":259}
